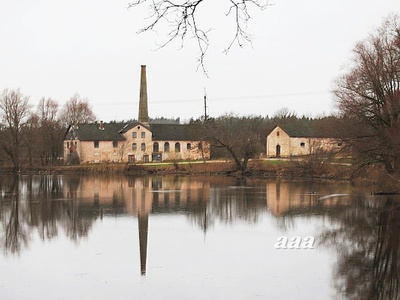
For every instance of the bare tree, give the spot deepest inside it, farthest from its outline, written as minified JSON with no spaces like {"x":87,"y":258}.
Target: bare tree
{"x":123,"y":146}
{"x":47,"y":111}
{"x":239,"y":137}
{"x":14,"y":113}
{"x":368,"y":96}
{"x":48,"y":133}
{"x":75,"y":111}
{"x":181,"y":16}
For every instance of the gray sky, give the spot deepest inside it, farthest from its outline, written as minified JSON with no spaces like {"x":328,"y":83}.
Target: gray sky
{"x":57,"y":48}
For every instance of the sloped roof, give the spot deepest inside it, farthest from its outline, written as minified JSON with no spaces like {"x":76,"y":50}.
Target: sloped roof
{"x":175,"y":132}
{"x":129,"y":126}
{"x":114,"y":132}
{"x":92,"y":132}
{"x":305,"y":131}
{"x":298,"y":131}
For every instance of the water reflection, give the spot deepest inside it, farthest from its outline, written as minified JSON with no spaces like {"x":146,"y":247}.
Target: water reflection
{"x":29,"y":203}
{"x":73,"y":203}
{"x":367,"y":239}
{"x":364,"y":230}
{"x":15,"y":231}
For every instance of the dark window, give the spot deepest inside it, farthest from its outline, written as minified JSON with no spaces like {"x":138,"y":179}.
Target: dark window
{"x":143,"y":147}
{"x":134,"y":146}
{"x":115,"y":144}
{"x":277,"y":133}
{"x":156,"y":147}
{"x":67,"y":145}
{"x":143,"y":134}
{"x":200,"y":146}
{"x":302,"y":144}
{"x":156,"y":157}
{"x":166,"y":147}
{"x":134,"y":134}
{"x":189,"y":146}
{"x":177,"y":147}
{"x":96,"y":144}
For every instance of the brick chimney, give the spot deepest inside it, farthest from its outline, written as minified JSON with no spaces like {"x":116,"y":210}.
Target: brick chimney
{"x":143,"y":110}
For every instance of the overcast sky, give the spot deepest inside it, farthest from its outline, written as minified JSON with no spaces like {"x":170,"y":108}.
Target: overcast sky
{"x":55,"y":48}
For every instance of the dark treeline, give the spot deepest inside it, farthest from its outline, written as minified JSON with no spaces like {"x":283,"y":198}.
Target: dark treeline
{"x":34,"y":136}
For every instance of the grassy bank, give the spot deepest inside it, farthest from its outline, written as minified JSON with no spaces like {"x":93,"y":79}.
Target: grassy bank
{"x":277,"y":168}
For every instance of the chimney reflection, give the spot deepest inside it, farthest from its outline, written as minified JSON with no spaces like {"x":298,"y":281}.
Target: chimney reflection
{"x":161,"y":195}
{"x":143,"y":221}
{"x":138,"y":196}
{"x":142,"y":201}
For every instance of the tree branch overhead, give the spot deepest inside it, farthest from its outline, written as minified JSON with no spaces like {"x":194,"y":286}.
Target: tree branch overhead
{"x":181,"y":17}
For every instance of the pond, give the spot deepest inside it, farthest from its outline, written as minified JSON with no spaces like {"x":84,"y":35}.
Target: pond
{"x":203,"y":237}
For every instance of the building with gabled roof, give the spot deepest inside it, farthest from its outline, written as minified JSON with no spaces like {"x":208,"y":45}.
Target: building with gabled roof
{"x":286,"y":142}
{"x":139,"y":141}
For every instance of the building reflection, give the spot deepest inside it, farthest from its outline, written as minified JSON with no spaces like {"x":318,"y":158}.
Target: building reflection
{"x":364,"y":229}
{"x":287,"y":197}
{"x":140,"y":197}
{"x":205,"y":200}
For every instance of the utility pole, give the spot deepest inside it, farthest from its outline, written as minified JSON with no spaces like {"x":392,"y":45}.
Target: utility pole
{"x":205,"y":104}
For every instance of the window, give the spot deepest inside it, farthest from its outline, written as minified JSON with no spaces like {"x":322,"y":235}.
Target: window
{"x":143,"y":147}
{"x":189,"y":146}
{"x":96,"y":144}
{"x":134,"y":134}
{"x":277,"y":133}
{"x":156,"y":147}
{"x":200,"y":146}
{"x":302,"y":144}
{"x":143,"y":134}
{"x":67,"y":145}
{"x":177,"y":147}
{"x":115,"y":144}
{"x":134,"y":146}
{"x":166,"y":147}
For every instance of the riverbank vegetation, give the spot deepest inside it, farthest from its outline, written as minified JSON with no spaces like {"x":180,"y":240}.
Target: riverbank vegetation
{"x":271,"y":168}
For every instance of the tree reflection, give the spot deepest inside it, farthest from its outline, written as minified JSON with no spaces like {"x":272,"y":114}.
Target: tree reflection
{"x":43,"y":208}
{"x":230,"y":200}
{"x":385,"y":283}
{"x":16,"y":233}
{"x":367,"y":240}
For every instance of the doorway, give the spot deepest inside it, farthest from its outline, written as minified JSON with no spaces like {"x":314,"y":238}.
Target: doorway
{"x":278,"y":150}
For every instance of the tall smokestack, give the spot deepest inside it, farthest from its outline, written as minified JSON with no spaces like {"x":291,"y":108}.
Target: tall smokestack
{"x":143,"y":110}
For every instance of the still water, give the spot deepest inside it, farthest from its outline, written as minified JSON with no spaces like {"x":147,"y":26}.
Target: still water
{"x":172,"y":237}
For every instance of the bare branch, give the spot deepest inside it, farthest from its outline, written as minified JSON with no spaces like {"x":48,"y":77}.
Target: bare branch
{"x":181,"y":18}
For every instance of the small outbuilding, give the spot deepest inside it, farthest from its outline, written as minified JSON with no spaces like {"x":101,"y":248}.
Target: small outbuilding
{"x":285,"y":143}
